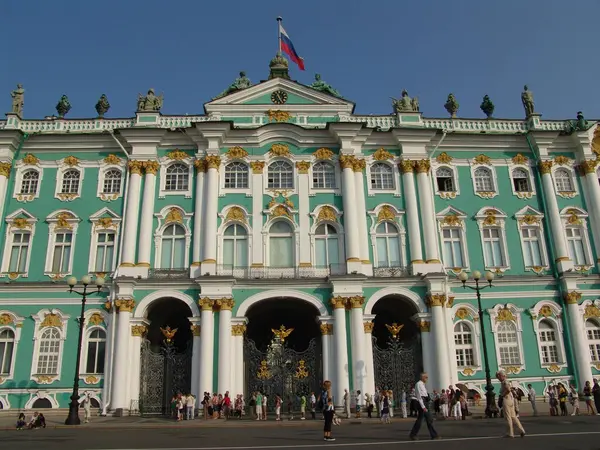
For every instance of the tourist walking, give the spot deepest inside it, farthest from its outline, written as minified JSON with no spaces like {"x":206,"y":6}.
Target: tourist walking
{"x":264,"y":406}
{"x":385,"y":407}
{"x":574,"y":399}
{"x":87,"y":408}
{"x":596,"y":395}
{"x":328,"y":412}
{"x":531,"y":398}
{"x":508,"y":405}
{"x":444,"y":403}
{"x":313,"y":406}
{"x":259,"y":407}
{"x":278,"y":407}
{"x":423,"y":401}
{"x":347,"y":403}
{"x":587,"y":394}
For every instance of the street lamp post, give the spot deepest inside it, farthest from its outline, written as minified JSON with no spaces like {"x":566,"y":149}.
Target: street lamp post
{"x":490,"y":401}
{"x":73,"y":417}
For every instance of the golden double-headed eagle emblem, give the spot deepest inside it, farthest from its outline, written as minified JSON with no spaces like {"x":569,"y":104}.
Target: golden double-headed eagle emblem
{"x":394,"y":329}
{"x":282,"y":333}
{"x":168,"y":333}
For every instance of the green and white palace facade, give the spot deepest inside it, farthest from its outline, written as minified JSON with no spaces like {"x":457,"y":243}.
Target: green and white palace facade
{"x":279,"y":224}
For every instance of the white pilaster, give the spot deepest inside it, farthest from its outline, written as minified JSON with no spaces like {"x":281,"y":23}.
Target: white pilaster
{"x":131,"y":214}
{"x":122,"y":362}
{"x":423,"y":321}
{"x":304,"y":213}
{"x":225,"y":346}
{"x":326,"y":346}
{"x":198,"y":205}
{"x":430,"y":232}
{"x":579,"y":339}
{"x":196,"y":329}
{"x":592,"y":190}
{"x":351,"y":231}
{"x":138,"y":330}
{"x":341,"y":350}
{"x":412,"y":215}
{"x":369,"y":362}
{"x":147,"y":217}
{"x":209,"y":261}
{"x":563,"y":261}
{"x":5,"y":168}
{"x":439,"y":349}
{"x":256,"y":259}
{"x":359,"y":373}
{"x":361,"y":217}
{"x":451,"y":355}
{"x":238,"y":329}
{"x":207,"y":342}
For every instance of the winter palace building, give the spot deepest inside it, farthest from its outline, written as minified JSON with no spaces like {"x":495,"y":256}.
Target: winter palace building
{"x":279,"y":239}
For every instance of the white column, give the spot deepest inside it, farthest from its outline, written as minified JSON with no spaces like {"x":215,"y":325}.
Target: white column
{"x":147,"y":216}
{"x":213,"y":163}
{"x":412,"y":213}
{"x":131,"y":214}
{"x":238,"y":329}
{"x":304,"y":213}
{"x":351,"y":231}
{"x":579,"y":338}
{"x":256,"y":259}
{"x":359,"y":373}
{"x":563,"y":260}
{"x":138,"y":330}
{"x":440,"y":347}
{"x":5,"y":168}
{"x":451,"y":356}
{"x":361,"y":212}
{"x":108,"y":360}
{"x":198,"y":205}
{"x":341,"y":350}
{"x":122,"y":360}
{"x":424,"y":323}
{"x":196,"y":344}
{"x":225,"y":345}
{"x":432,"y":254}
{"x":326,"y":332}
{"x":592,"y":188}
{"x":207,"y":341}
{"x":369,"y":362}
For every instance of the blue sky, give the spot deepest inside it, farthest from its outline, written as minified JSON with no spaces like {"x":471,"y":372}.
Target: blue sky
{"x":369,"y":51}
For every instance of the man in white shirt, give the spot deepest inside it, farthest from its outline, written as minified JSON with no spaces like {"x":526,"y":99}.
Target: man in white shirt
{"x":531,"y":396}
{"x":190,"y":404}
{"x":423,"y":401}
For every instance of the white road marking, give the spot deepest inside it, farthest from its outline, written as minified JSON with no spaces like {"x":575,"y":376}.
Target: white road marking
{"x":372,"y":444}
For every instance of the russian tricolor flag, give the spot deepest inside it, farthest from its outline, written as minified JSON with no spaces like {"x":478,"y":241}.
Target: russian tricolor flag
{"x":288,"y":47}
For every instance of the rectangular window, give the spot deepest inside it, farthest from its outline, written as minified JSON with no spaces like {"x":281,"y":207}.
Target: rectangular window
{"x":95,"y":357}
{"x":18,"y":252}
{"x":6,"y":352}
{"x":509,"y":355}
{"x":549,"y":354}
{"x":105,"y":252}
{"x":281,"y":252}
{"x":595,"y":352}
{"x":61,"y":255}
{"x":452,"y":247}
{"x":532,"y":252}
{"x":465,"y":357}
{"x":576,"y":245}
{"x":492,"y":248}
{"x":48,"y":360}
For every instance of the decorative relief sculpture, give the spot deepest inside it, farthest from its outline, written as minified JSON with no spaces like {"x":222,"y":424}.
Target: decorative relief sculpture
{"x":505,"y":315}
{"x":236,"y":214}
{"x":520,"y":159}
{"x":444,"y":158}
{"x":451,"y":106}
{"x":5,"y":169}
{"x":113,"y":159}
{"x":51,"y":320}
{"x":327,"y":213}
{"x":303,"y":167}
{"x":323,"y":153}
{"x":278,"y":116}
{"x":177,"y":155}
{"x":150,"y":102}
{"x":96,"y":319}
{"x":386,"y":213}
{"x":102,"y":106}
{"x":527,"y":100}
{"x":63,"y":106}
{"x":213,"y":161}
{"x":382,"y":155}
{"x":257,"y":167}
{"x":561,"y":160}
{"x":320,"y":85}
{"x":174,"y":215}
{"x":18,"y":100}
{"x":71,"y":161}
{"x":482,"y":160}
{"x":280,"y":150}
{"x":236,"y":153}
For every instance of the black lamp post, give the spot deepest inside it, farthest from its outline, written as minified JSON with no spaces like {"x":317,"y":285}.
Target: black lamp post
{"x":73,"y":417}
{"x":490,"y":398}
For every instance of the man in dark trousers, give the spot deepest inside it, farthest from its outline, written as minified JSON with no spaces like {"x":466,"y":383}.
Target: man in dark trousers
{"x":423,"y":401}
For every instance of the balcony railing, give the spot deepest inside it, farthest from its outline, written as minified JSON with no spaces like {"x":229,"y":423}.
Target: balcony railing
{"x":280,"y":272}
{"x":169,"y":274}
{"x":390,"y":271}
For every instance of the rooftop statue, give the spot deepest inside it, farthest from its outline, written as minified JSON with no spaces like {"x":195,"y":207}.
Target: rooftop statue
{"x":320,"y":85}
{"x":451,"y":106}
{"x":578,"y":125}
{"x":150,"y":102}
{"x":102,"y":106}
{"x":18,"y":99}
{"x":405,"y":103}
{"x":63,"y":106}
{"x":528,"y":103}
{"x":240,"y":83}
{"x":487,"y":106}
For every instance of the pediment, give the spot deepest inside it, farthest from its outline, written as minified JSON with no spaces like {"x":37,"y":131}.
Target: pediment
{"x":529,"y":211}
{"x":300,"y":99}
{"x":20,"y":214}
{"x":104,"y":213}
{"x":451,"y":211}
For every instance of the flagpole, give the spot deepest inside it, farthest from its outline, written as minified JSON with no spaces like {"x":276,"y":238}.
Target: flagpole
{"x":279,"y":19}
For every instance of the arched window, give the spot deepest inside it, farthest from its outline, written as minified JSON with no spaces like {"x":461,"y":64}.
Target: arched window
{"x":70,"y":182}
{"x":173,"y":248}
{"x":96,"y":347}
{"x":323,"y":175}
{"x":280,"y":175}
{"x":508,"y":344}
{"x":548,"y":342}
{"x":593,"y":334}
{"x":112,"y":182}
{"x":281,"y":245}
{"x":7,"y":346}
{"x":521,"y":180}
{"x":388,"y":245}
{"x":19,"y":251}
{"x":236,"y":175}
{"x":30,"y":181}
{"x":484,"y":182}
{"x":444,"y":177}
{"x":327,"y":249}
{"x":235,"y":246}
{"x":382,"y":176}
{"x":463,"y":340}
{"x":563,"y":180}
{"x":49,"y":352}
{"x":177,"y":177}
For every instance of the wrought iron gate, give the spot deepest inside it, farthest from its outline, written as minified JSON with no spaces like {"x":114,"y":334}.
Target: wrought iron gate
{"x":163,"y":373}
{"x":282,"y":371}
{"x":397,"y":367}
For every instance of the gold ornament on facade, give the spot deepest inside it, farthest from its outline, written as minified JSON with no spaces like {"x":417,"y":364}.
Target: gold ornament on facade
{"x":278,"y":116}
{"x":236,"y":153}
{"x":31,"y":160}
{"x":301,"y":370}
{"x":359,"y":165}
{"x":505,"y":315}
{"x":280,"y":210}
{"x":394,"y":329}
{"x":529,"y":219}
{"x":382,"y":155}
{"x":177,"y":155}
{"x":436,"y":300}
{"x":444,"y":158}
{"x":280,"y":150}
{"x":151,"y":167}
{"x":591,"y":311}
{"x":135,"y":167}
{"x":386,"y":213}
{"x":238,"y":330}
{"x":486,"y":194}
{"x":356,"y":301}
{"x":523,"y":195}
{"x":596,"y":143}
{"x":561,"y":160}
{"x":447,"y":195}
{"x":62,"y":220}
{"x":573,"y":218}
{"x":206,"y":304}
{"x":406,"y":166}
{"x":67,"y":197}
{"x":553,"y":368}
{"x":213,"y":161}
{"x":12,"y":276}
{"x":588,"y":166}
{"x":338,"y":302}
{"x":546,"y":311}
{"x":323,"y":153}
{"x":174,"y":216}
{"x":263,"y":371}
{"x":347,"y":161}
{"x":107,"y":305}
{"x":490,"y":217}
{"x":6,"y":319}
{"x":452,"y":220}
{"x":96,"y":319}
{"x":51,"y":320}
{"x":573,"y":297}
{"x":257,"y":167}
{"x":105,"y":222}
{"x":282,"y":333}
{"x":368,"y":327}
{"x":424,"y":326}
{"x":44,"y":379}
{"x":169,"y":333}
{"x":326,"y":329}
{"x":520,"y":159}
{"x":303,"y":167}
{"x":224,"y":304}
{"x":468,"y":372}
{"x":236,"y":214}
{"x":422,"y":166}
{"x":463,"y":313}
{"x":112,"y":159}
{"x":71,"y":161}
{"x":482,"y":160}
{"x":512,"y":370}
{"x":5,"y":169}
{"x":545,"y":167}
{"x":90,"y":379}
{"x":200,"y":165}
{"x":327,"y":213}
{"x":125,"y":304}
{"x":20,"y":223}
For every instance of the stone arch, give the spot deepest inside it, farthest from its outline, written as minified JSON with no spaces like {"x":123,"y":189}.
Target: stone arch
{"x":4,"y":403}
{"x":266,"y":295}
{"x":41,"y":396}
{"x":142,"y":308}
{"x":386,"y":292}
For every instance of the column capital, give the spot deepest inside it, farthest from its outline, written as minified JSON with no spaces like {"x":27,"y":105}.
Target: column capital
{"x":424,"y":326}
{"x":326,"y":329}
{"x":213,"y":161}
{"x":125,"y":304}
{"x":5,"y":169}
{"x":139,"y":330}
{"x":238,"y":330}
{"x":572,"y":298}
{"x":206,"y":304}
{"x":422,"y":166}
{"x":588,"y":166}
{"x":359,"y":165}
{"x":257,"y":167}
{"x":302,"y":167}
{"x":224,"y":304}
{"x":440,"y":300}
{"x":338,"y":302}
{"x":545,"y":167}
{"x":200,"y":165}
{"x":368,"y":326}
{"x":356,"y":302}
{"x":135,"y":166}
{"x":195,"y":330}
{"x":151,"y":167}
{"x":406,"y":166}
{"x":347,"y":161}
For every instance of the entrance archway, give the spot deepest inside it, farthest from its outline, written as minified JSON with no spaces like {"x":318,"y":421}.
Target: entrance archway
{"x":282,"y":349}
{"x":166,"y":355}
{"x":396,"y":344}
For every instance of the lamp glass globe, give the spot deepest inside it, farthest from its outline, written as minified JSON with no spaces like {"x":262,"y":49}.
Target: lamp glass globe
{"x":489,"y":276}
{"x":99,"y":281}
{"x":71,"y":281}
{"x":476,"y":275}
{"x":85,"y":280}
{"x":463,"y":276}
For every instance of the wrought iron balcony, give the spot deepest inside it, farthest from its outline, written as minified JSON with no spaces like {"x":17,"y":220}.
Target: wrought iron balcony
{"x":168,"y":274}
{"x":280,"y":272}
{"x":390,"y":271}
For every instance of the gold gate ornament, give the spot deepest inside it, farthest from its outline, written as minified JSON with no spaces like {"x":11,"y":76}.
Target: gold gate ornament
{"x":394,"y":329}
{"x":301,"y":370}
{"x":168,"y":333}
{"x":282,"y":333}
{"x":263,"y":371}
